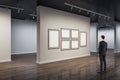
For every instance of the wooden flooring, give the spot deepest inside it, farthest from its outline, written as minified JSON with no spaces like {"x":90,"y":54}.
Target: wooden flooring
{"x":23,"y":67}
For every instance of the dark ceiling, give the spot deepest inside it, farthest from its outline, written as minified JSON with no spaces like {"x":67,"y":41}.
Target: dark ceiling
{"x":29,"y":7}
{"x":108,"y":7}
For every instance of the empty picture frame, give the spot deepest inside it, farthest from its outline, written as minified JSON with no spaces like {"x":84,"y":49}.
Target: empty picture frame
{"x":65,"y":33}
{"x":75,"y":44}
{"x":65,"y":45}
{"x":74,"y":34}
{"x":53,"y":39}
{"x":83,"y":39}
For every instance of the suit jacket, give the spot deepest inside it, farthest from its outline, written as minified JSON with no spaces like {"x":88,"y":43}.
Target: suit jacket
{"x":102,"y":48}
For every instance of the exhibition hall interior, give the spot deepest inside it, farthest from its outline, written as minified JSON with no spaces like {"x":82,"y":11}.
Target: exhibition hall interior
{"x":59,"y":39}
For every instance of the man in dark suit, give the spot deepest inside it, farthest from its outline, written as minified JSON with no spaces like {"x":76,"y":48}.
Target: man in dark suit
{"x":102,"y":54}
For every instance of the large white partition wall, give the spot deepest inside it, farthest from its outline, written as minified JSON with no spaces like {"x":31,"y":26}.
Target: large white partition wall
{"x":5,"y":35}
{"x":55,"y":19}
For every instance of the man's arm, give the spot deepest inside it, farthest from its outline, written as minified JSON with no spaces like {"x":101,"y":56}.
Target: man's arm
{"x":106,"y":47}
{"x":99,"y":46}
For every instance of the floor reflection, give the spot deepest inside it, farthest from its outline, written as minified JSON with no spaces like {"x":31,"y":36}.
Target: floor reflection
{"x":78,"y":69}
{"x":84,"y":69}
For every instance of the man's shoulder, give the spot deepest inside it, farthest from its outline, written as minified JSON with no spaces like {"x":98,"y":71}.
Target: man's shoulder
{"x":103,"y":42}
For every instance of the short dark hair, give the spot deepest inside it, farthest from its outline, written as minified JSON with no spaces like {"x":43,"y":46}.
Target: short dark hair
{"x":103,"y":37}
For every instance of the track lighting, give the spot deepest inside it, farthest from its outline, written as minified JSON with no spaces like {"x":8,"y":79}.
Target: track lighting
{"x":11,"y":7}
{"x":88,"y":11}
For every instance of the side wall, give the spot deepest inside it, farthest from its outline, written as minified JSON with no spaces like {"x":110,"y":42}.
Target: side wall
{"x":23,"y":36}
{"x":5,"y":35}
{"x":55,"y":19}
{"x":93,"y":37}
{"x":117,"y":36}
{"x":109,"y":36}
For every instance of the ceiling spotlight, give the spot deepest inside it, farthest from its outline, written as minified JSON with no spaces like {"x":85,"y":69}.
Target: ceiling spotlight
{"x":71,"y":8}
{"x":79,"y":10}
{"x":108,"y":18}
{"x":99,"y":16}
{"x":18,"y":11}
{"x":104,"y":17}
{"x":33,"y":17}
{"x":93,"y":14}
{"x":88,"y":12}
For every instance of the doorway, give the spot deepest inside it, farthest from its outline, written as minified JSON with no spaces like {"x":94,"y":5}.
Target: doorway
{"x":23,"y":40}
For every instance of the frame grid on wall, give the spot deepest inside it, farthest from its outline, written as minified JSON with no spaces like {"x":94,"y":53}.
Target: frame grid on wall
{"x":65,"y":36}
{"x":71,"y":37}
{"x":56,"y":36}
{"x":83,"y":39}
{"x":74,"y":38}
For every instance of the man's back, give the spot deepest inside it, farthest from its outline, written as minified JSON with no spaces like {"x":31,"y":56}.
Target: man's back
{"x":102,"y":48}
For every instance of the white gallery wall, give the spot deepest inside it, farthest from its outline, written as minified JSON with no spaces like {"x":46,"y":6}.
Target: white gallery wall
{"x":93,"y":37}
{"x":5,"y":35}
{"x":109,"y":36}
{"x":118,"y":36}
{"x":49,"y":18}
{"x":23,"y":36}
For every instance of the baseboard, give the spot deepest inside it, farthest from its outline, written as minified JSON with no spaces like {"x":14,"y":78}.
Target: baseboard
{"x":110,"y":49}
{"x":7,"y":60}
{"x":117,"y":52}
{"x":57,"y":60}
{"x":23,"y":53}
{"x":93,"y":52}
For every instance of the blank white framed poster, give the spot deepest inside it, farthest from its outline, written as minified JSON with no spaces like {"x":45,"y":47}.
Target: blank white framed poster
{"x":53,"y":39}
{"x":83,"y":39}
{"x":65,"y":45}
{"x":65,"y":33}
{"x":74,"y":34}
{"x":75,"y":44}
